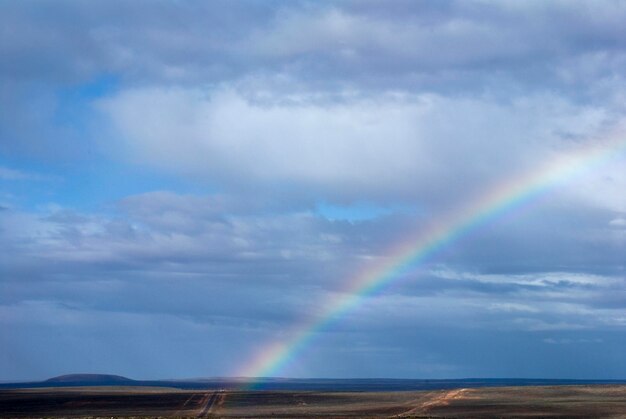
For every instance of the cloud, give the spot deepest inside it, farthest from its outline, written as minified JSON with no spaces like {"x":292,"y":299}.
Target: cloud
{"x":167,"y":238}
{"x":229,"y":167}
{"x":457,"y":45}
{"x":206,"y":268}
{"x":407,"y":143}
{"x":12,"y":174}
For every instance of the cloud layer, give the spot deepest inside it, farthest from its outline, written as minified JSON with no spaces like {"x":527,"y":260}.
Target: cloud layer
{"x":184,"y":183}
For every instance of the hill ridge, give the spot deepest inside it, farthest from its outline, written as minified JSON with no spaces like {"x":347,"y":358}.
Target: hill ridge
{"x":89,"y":378}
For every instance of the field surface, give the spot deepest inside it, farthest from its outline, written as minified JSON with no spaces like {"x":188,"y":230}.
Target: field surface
{"x":546,"y":401}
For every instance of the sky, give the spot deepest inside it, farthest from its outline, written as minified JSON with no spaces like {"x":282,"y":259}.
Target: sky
{"x":184,"y":184}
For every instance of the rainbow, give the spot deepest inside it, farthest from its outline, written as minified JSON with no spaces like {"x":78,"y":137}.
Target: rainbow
{"x":419,"y":247}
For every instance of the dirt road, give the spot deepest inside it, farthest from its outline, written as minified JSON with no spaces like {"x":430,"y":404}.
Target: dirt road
{"x":209,"y":400}
{"x":438,"y":399}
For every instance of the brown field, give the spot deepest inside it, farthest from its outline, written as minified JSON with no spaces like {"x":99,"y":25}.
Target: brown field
{"x":554,"y":401}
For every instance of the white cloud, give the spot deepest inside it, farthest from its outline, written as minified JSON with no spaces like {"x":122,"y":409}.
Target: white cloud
{"x":567,"y":341}
{"x":618,"y":222}
{"x":513,"y":307}
{"x":227,"y":136}
{"x":540,"y":279}
{"x":398,"y":146}
{"x":12,"y":174}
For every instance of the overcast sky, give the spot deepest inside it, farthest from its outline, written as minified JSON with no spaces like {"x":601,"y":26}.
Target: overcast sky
{"x":181,"y":183}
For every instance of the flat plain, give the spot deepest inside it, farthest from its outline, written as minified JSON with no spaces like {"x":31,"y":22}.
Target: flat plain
{"x":541,"y":401}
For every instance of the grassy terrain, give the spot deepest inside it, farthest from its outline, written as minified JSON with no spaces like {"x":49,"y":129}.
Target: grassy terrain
{"x":547,"y":401}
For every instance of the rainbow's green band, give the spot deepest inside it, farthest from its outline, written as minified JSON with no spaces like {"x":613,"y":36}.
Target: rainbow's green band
{"x":421,"y":246}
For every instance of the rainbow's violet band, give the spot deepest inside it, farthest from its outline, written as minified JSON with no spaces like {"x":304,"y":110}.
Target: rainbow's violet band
{"x":422,"y":245}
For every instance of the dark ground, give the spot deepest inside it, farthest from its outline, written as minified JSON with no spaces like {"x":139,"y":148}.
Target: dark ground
{"x":547,"y":401}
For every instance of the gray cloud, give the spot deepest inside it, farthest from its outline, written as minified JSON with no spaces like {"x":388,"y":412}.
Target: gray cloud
{"x":333,"y":42}
{"x":183,"y":251}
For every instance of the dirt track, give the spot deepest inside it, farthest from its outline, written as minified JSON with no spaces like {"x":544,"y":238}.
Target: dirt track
{"x":434,"y":400}
{"x":208,"y":402}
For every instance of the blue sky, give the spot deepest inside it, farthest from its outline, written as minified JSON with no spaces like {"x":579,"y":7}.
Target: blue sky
{"x":181,"y":183}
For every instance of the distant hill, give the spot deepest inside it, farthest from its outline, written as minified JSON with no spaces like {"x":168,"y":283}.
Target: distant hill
{"x":90,"y":379}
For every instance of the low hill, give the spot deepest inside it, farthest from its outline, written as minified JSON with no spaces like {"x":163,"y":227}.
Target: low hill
{"x":90,"y":379}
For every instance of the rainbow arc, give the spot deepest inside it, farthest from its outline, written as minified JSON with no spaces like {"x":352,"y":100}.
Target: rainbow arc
{"x":423,"y":245}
